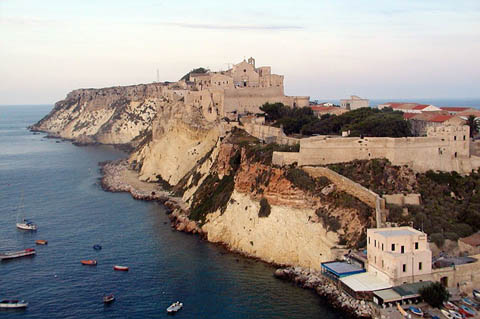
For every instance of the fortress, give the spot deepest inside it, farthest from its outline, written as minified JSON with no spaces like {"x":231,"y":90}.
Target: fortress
{"x":241,"y":89}
{"x":445,"y":148}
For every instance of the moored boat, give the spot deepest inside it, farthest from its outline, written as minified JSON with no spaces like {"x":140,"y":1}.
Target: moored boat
{"x":174,"y":307}
{"x":41,"y":242}
{"x":447,"y":314}
{"x":27,"y":225}
{"x":17,"y":254}
{"x":476,"y":294}
{"x":468,"y":302}
{"x":89,"y":262}
{"x":97,"y":247}
{"x":120,"y":268}
{"x":455,"y":314}
{"x":401,"y":310}
{"x":108,"y":298}
{"x":416,"y":311}
{"x":450,"y":306}
{"x":13,"y":304}
{"x":467,"y":311}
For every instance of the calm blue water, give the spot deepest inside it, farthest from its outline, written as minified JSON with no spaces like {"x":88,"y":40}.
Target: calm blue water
{"x":62,"y":195}
{"x":472,"y":102}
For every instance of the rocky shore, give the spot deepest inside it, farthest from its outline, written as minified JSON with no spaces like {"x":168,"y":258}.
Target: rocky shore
{"x":337,"y":299}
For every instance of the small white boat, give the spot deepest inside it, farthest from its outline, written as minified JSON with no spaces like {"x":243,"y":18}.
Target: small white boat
{"x":108,"y":298}
{"x":446,"y":314}
{"x":17,"y":254}
{"x":455,"y":314}
{"x":13,"y":304}
{"x":120,"y":268}
{"x":27,"y":225}
{"x":174,"y":307}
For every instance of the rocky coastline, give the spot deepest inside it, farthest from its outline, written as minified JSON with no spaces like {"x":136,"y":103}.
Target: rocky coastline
{"x":314,"y":280}
{"x":118,"y":177}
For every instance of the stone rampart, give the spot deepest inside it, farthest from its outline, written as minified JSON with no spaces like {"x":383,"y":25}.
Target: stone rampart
{"x":270,"y":134}
{"x":403,"y":199}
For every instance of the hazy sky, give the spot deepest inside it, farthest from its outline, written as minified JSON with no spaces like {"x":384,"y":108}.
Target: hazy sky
{"x":325,"y":49}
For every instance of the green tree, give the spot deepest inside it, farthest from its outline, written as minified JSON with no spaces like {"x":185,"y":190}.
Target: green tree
{"x":197,"y":70}
{"x":434,"y":294}
{"x":473,"y":122}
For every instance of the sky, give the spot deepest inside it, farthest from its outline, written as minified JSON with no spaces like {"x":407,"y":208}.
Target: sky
{"x":324,"y":48}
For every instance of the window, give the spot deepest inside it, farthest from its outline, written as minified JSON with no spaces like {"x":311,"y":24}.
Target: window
{"x":393,"y":247}
{"x":416,"y":245}
{"x":420,"y":266}
{"x":382,"y":247}
{"x":404,"y":267}
{"x":375,"y":259}
{"x":244,"y":70}
{"x":375,"y":243}
{"x":369,"y":240}
{"x":402,"y":249}
{"x":455,"y":154}
{"x":383,"y":264}
{"x":464,"y":137}
{"x":455,"y":138}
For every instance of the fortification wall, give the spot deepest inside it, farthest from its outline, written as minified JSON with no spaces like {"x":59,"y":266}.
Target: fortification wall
{"x":270,"y":134}
{"x":403,"y":199}
{"x":245,"y":100}
{"x":285,"y":158}
{"x":465,"y":277}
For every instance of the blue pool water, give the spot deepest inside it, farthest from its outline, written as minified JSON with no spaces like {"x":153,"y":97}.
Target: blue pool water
{"x":59,"y":183}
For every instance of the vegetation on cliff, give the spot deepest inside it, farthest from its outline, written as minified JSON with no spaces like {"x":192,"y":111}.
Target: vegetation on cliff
{"x":199,"y":70}
{"x":450,"y":205}
{"x":361,"y":122}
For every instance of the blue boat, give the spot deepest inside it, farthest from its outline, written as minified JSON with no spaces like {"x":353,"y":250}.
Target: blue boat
{"x":468,"y":311}
{"x":97,"y":247}
{"x":416,"y":311}
{"x":469,"y":302}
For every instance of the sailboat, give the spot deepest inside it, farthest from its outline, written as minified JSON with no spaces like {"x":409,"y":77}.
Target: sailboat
{"x":25,"y":224}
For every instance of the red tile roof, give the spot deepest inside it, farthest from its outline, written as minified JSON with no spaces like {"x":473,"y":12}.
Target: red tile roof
{"x":440,"y":118}
{"x":472,"y":240}
{"x":420,"y":107}
{"x":407,"y":116}
{"x":323,"y":108}
{"x":455,"y":108}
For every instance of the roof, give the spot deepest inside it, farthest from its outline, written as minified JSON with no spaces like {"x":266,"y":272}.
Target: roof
{"x":392,"y":232}
{"x":387,"y":295}
{"x":342,"y":268}
{"x":455,"y":108}
{"x":472,"y":240}
{"x":440,"y":118}
{"x":420,"y":107}
{"x":323,"y":108}
{"x":407,"y":116}
{"x":365,"y":282}
{"x":410,"y":290}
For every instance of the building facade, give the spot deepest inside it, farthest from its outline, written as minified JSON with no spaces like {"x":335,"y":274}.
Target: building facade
{"x":353,"y":103}
{"x":399,"y":254}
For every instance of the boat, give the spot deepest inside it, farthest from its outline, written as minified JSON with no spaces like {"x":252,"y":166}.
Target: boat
{"x":13,"y":304}
{"x":27,"y":225}
{"x":455,"y":314}
{"x":450,"y":306}
{"x":90,"y":262}
{"x":447,"y":314}
{"x":17,"y":254}
{"x":467,"y":311}
{"x":174,"y":307}
{"x":401,"y":310}
{"x":468,"y":302}
{"x":416,"y":311}
{"x":97,"y":247}
{"x":476,"y":294}
{"x":120,"y":268}
{"x":41,"y":242}
{"x":108,"y":298}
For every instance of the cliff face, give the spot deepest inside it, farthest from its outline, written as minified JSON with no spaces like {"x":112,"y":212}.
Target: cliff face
{"x":224,"y":176}
{"x":116,"y":115}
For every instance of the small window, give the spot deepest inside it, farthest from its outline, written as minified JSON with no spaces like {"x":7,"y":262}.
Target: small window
{"x":393,"y":247}
{"x":464,"y":137}
{"x":402,"y":249}
{"x":244,"y":70}
{"x":383,"y":264}
{"x":369,"y":240}
{"x":416,"y":245}
{"x":455,"y":138}
{"x":404,"y":267}
{"x":420,"y":266}
{"x":382,"y":247}
{"x":375,"y":243}
{"x":375,"y":259}
{"x":455,"y":154}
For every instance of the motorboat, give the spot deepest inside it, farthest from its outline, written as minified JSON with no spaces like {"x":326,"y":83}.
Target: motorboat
{"x":401,"y":310}
{"x":97,"y":247}
{"x":120,"y":268}
{"x":447,"y":314}
{"x":108,"y":298}
{"x":476,"y":294}
{"x":41,"y":242}
{"x":468,"y":302}
{"x":416,"y":311}
{"x":455,"y":314}
{"x":467,"y":311}
{"x":13,"y":304}
{"x":450,"y":306}
{"x":90,"y":262}
{"x":17,"y":254}
{"x":174,"y":307}
{"x":27,"y":225}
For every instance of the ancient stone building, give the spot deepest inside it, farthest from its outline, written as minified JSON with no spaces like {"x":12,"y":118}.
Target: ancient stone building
{"x":241,"y":89}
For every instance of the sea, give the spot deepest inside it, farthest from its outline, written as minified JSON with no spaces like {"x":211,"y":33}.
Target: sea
{"x":56,"y":184}
{"x":468,"y":102}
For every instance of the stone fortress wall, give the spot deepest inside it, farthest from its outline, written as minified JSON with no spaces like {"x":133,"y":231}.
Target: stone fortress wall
{"x":446,"y":148}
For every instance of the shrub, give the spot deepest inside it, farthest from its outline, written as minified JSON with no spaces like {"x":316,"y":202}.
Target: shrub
{"x":434,"y":294}
{"x":438,"y":239}
{"x":301,"y":179}
{"x":265,"y":208}
{"x":329,"y":222}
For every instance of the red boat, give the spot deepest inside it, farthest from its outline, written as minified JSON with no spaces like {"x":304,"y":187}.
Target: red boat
{"x":16,"y":254}
{"x":120,"y":268}
{"x":91,"y":262}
